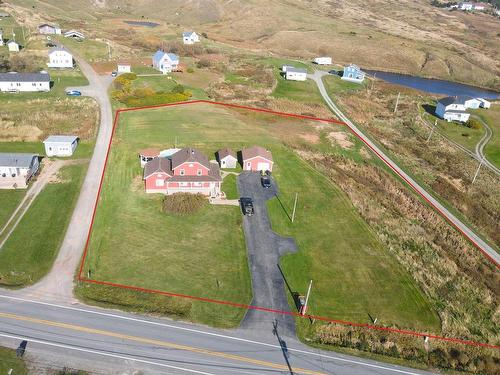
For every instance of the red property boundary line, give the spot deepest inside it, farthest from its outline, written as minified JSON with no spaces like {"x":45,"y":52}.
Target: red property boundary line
{"x":250,"y":307}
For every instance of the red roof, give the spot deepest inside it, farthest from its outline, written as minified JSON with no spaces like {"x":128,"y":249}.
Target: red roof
{"x":255,"y":151}
{"x":150,"y":152}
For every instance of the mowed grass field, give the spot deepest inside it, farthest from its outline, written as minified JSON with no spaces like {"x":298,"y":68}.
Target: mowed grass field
{"x":134,"y":243}
{"x":9,"y":360}
{"x":492,"y":117}
{"x":30,"y":250}
{"x":9,"y":199}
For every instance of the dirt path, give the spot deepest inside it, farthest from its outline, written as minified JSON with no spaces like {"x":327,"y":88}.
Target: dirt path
{"x":48,"y":174}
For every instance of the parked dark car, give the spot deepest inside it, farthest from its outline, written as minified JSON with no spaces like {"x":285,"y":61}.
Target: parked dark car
{"x":265,"y":180}
{"x":247,"y":206}
{"x":114,"y":74}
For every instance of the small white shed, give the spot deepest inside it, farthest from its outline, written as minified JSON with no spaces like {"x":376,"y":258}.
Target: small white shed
{"x":323,"y":60}
{"x":60,"y":145}
{"x":295,"y":74}
{"x":124,"y":67}
{"x":13,"y":46}
{"x":484,"y":103}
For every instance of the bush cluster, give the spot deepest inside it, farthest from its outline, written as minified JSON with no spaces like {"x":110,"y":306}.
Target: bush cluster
{"x":183,"y":203}
{"x":435,"y":353}
{"x":473,"y":123}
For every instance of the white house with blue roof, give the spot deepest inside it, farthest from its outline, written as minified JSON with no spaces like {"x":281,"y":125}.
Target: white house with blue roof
{"x":190,"y":37}
{"x":165,"y":62}
{"x":353,"y":73}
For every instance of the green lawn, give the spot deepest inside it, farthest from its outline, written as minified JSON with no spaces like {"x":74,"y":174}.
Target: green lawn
{"x":9,"y":26}
{"x":353,"y":275}
{"x":90,"y":50}
{"x":334,"y":84}
{"x":135,"y":243}
{"x":9,"y":199}
{"x":303,"y":91}
{"x":492,"y":117}
{"x":9,"y":360}
{"x":229,"y":187}
{"x":30,"y":250}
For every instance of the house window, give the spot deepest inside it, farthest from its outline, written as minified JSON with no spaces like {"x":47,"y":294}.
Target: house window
{"x":182,"y":172}
{"x":183,"y":184}
{"x":160,"y":182}
{"x":198,"y":172}
{"x":249,"y":164}
{"x":197,"y":184}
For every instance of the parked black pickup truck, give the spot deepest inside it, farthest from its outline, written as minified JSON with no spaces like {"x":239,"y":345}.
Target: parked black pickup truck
{"x":246,"y":206}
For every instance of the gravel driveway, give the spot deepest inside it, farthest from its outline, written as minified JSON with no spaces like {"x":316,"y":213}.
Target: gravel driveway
{"x":264,"y":250}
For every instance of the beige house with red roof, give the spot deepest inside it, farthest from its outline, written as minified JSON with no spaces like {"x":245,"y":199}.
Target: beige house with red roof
{"x":188,"y":170}
{"x":256,"y":159}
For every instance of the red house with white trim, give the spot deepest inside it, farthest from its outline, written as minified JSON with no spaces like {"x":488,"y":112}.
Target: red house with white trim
{"x":257,"y":158}
{"x":188,"y":170}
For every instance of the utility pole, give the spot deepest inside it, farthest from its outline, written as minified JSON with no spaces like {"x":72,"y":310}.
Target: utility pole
{"x":478,"y":168}
{"x":294,"y":206}
{"x":397,"y":102}
{"x":304,"y":309}
{"x":432,"y":130}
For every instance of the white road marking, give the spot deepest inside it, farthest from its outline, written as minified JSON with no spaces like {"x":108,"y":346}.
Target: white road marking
{"x":393,"y":369}
{"x":42,"y":342}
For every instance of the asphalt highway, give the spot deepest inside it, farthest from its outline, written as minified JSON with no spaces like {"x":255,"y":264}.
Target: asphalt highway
{"x":114,"y":342}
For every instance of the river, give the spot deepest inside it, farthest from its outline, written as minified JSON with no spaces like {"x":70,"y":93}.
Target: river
{"x":434,"y":86}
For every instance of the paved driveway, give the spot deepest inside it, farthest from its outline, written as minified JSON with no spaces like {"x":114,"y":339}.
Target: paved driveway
{"x":264,"y":250}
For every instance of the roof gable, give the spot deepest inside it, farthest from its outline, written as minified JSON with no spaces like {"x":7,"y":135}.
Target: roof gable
{"x":189,"y":155}
{"x":157,"y":165}
{"x":256,"y":151}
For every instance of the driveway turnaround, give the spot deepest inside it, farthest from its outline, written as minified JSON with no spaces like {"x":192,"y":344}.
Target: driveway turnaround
{"x":264,"y":251}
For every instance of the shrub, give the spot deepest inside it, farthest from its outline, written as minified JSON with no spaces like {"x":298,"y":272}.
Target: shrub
{"x":128,"y":76}
{"x":203,"y":63}
{"x":157,"y":98}
{"x":184,"y":203}
{"x":178,"y":89}
{"x":473,"y":124}
{"x":190,"y":70}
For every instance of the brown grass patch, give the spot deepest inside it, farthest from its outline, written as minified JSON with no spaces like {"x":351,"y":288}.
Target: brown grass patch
{"x":341,"y":138}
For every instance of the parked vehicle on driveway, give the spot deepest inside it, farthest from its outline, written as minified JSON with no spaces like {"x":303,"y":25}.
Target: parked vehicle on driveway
{"x":265,"y":180}
{"x":247,"y":206}
{"x":114,"y":74}
{"x":73,"y":93}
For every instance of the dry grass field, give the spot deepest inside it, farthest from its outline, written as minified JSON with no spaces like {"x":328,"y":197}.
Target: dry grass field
{"x":398,"y":35}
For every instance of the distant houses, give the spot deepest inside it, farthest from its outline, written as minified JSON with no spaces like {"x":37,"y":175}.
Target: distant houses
{"x":13,"y":46}
{"x":16,"y":169}
{"x":74,"y":34}
{"x":165,"y":62}
{"x":323,"y":60}
{"x":60,"y":58}
{"x":353,"y":73}
{"x":292,"y":73}
{"x":190,"y":37}
{"x":453,"y":108}
{"x":24,"y":82}
{"x":468,"y":6}
{"x":123,"y":67}
{"x":60,"y":145}
{"x":49,"y":29}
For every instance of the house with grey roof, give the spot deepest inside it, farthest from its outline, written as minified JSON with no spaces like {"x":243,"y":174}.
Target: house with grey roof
{"x":453,"y":108}
{"x":190,"y":37}
{"x":292,"y":73}
{"x":226,"y":158}
{"x":256,"y":158}
{"x":25,"y":82}
{"x":60,"y":145}
{"x":165,"y":62}
{"x":16,"y":169}
{"x":49,"y":29}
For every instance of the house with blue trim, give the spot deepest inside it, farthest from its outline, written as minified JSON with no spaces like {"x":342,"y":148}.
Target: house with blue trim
{"x":353,"y":73}
{"x":165,"y":62}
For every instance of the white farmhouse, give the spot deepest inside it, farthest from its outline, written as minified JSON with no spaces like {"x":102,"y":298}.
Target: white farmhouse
{"x":60,"y":145}
{"x":466,"y":6}
{"x":25,"y":82}
{"x":323,"y":60}
{"x":190,"y":37}
{"x":49,"y":29}
{"x":452,"y":108}
{"x":294,"y":74}
{"x":17,"y":169}
{"x":60,"y":58}
{"x":13,"y":46}
{"x":123,"y":67}
{"x":353,"y":73}
{"x":165,"y":62}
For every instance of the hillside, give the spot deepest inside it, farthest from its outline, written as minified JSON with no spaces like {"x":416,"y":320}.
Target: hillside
{"x":397,"y":35}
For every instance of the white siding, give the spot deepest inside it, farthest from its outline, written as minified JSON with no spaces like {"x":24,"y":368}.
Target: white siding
{"x":24,"y":86}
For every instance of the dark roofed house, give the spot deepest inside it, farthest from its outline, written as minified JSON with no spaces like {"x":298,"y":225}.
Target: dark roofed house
{"x":257,"y":158}
{"x":187,"y":170}
{"x":226,"y":158}
{"x":16,"y":169}
{"x":14,"y":82}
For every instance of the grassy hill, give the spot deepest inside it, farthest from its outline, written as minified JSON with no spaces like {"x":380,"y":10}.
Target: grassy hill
{"x":405,"y":36}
